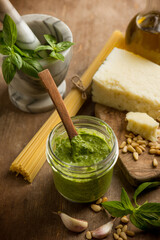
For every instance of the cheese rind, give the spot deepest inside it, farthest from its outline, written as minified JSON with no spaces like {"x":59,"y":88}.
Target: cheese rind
{"x":126,"y":81}
{"x":143,"y":124}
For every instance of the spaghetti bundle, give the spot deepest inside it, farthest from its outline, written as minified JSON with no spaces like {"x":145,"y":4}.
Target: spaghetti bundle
{"x":31,"y":159}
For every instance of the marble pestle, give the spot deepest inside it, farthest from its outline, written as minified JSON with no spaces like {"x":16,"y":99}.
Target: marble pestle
{"x":25,"y":37}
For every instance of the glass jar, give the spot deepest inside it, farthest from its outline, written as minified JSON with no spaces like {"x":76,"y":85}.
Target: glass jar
{"x":83,"y":183}
{"x":143,"y":32}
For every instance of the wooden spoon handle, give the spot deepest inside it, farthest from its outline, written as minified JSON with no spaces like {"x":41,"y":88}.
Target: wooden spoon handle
{"x":51,"y":87}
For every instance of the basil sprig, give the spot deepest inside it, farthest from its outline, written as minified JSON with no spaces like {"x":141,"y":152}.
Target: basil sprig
{"x":54,"y":47}
{"x":145,"y":216}
{"x":26,"y":60}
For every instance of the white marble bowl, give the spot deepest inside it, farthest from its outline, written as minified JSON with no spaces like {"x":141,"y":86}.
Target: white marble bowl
{"x":29,"y":94}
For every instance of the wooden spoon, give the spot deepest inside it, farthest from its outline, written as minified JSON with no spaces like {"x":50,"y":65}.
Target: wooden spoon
{"x":51,"y":87}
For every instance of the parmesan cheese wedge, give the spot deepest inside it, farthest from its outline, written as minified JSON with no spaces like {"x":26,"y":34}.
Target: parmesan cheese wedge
{"x":143,"y":124}
{"x":126,"y":81}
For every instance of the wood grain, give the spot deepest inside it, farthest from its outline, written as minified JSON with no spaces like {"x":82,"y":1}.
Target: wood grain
{"x":136,"y":172}
{"x":26,"y":209}
{"x":52,"y":89}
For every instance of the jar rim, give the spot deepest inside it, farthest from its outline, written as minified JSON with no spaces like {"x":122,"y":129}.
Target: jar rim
{"x":75,"y":167}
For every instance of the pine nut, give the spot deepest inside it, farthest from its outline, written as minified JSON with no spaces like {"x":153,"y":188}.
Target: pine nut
{"x":130,"y":148}
{"x":155,"y":162}
{"x":135,"y":156}
{"x":129,"y":140}
{"x":152,"y":144}
{"x":158,"y":152}
{"x":130,"y":233}
{"x":115,"y":235}
{"x":120,"y":238}
{"x":158,"y":146}
{"x":139,"y":137}
{"x":123,"y":144}
{"x":119,"y":231}
{"x":138,"y":150}
{"x":152,"y":151}
{"x":127,"y":136}
{"x":119,"y":226}
{"x":88,"y":235}
{"x":99,"y":201}
{"x":104,"y":199}
{"x":124,"y":229}
{"x":141,"y":147}
{"x":124,"y":219}
{"x":125,"y":149}
{"x":134,"y":144}
{"x":96,"y":208}
{"x":123,"y":235}
{"x":141,"y":142}
{"x":131,"y":135}
{"x":135,"y":139}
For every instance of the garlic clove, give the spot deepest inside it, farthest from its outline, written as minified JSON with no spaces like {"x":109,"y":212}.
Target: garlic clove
{"x":102,"y":231}
{"x":73,"y":224}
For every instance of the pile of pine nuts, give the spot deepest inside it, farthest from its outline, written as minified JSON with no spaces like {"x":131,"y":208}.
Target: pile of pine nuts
{"x":122,"y":230}
{"x":137,"y":145}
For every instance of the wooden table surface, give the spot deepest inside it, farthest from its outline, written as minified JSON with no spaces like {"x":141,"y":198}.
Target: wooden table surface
{"x":26,"y":209}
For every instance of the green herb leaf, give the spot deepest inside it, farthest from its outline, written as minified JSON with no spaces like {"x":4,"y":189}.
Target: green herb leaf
{"x":19,"y":51}
{"x":9,"y":31}
{"x":5,"y":50}
{"x":143,"y":187}
{"x":31,"y":67}
{"x":34,"y":63}
{"x":61,"y":46}
{"x":57,"y":56}
{"x":50,"y":39}
{"x":145,"y":221}
{"x":16,"y":60}
{"x":116,"y":208}
{"x":125,"y":200}
{"x":43,"y":47}
{"x":8,"y":69}
{"x":150,"y":208}
{"x":1,"y":38}
{"x":138,"y":221}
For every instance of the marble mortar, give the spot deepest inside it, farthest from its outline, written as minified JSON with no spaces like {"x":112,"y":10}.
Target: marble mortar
{"x":27,"y":93}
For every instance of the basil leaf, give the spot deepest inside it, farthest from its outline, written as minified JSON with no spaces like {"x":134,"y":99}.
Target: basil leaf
{"x":150,"y":208}
{"x":125,"y":200}
{"x":19,"y":51}
{"x":143,"y":187}
{"x":145,"y":221}
{"x":50,"y":39}
{"x":61,"y":46}
{"x":16,"y":60}
{"x":8,"y":69}
{"x":149,"y":216}
{"x":154,"y":223}
{"x":9,"y":31}
{"x":138,"y":221}
{"x":34,"y":63}
{"x":5,"y":50}
{"x":1,"y":37}
{"x":43,"y":47}
{"x":31,"y":67}
{"x":116,"y":208}
{"x":57,"y":56}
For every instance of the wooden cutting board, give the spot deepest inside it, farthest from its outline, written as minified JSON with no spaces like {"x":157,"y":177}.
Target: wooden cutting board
{"x":136,"y":172}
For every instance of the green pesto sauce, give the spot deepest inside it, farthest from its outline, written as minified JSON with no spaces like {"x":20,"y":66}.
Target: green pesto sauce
{"x":87,"y":148}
